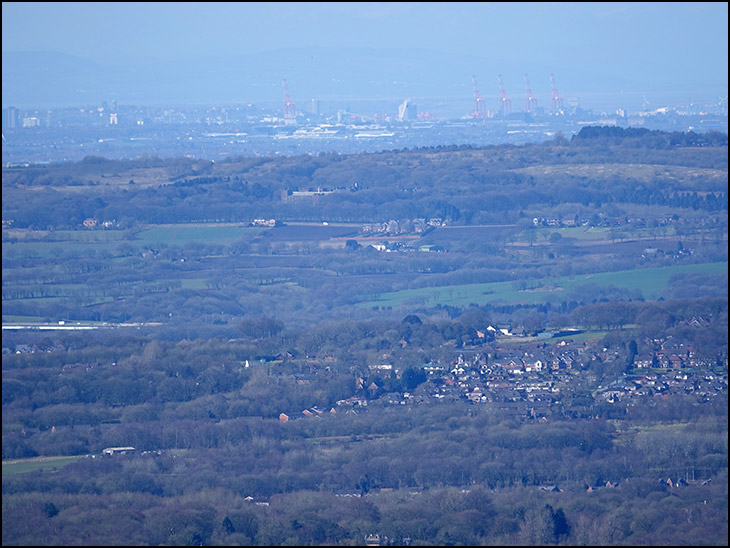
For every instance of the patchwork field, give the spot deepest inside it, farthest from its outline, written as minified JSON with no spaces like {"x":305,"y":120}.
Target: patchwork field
{"x":650,"y":281}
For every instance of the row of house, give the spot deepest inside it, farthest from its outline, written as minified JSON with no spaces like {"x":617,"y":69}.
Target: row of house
{"x":310,"y":412}
{"x":601,"y":221}
{"x":33,"y":348}
{"x":669,"y":354}
{"x":91,"y":222}
{"x":702,"y":384}
{"x":410,"y":226}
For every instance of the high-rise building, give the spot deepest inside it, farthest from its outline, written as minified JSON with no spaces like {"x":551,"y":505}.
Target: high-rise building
{"x":11,"y":118}
{"x":407,"y":111}
{"x":313,"y":107}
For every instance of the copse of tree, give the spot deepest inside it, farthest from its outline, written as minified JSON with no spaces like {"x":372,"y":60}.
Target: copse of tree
{"x":649,"y":138}
{"x":260,"y":327}
{"x":412,"y":377}
{"x":609,"y":315}
{"x":412,"y":319}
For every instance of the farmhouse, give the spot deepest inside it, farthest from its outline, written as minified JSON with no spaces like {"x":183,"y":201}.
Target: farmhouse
{"x":110,"y":451}
{"x":264,"y":222}
{"x":354,"y":401}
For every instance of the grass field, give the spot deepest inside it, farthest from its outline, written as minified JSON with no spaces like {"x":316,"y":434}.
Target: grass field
{"x":41,"y":249}
{"x":91,"y":235}
{"x":650,"y":281}
{"x":577,"y":232}
{"x":83,"y":242}
{"x":180,"y":235}
{"x":193,"y":283}
{"x":455,"y":236}
{"x":449,"y":235}
{"x":22,"y":466}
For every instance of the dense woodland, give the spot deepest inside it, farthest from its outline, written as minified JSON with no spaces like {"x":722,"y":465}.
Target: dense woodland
{"x":249,"y":373}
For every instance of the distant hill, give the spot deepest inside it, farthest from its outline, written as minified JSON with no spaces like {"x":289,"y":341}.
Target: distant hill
{"x":50,"y":78}
{"x":32,"y":79}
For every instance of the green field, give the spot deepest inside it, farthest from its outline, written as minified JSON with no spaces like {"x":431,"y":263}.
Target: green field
{"x":89,"y":242}
{"x":589,"y":234}
{"x":43,"y":249}
{"x":22,"y":466}
{"x":182,"y":234}
{"x":91,"y":235}
{"x":193,"y":283}
{"x":650,"y":281}
{"x":577,"y":232}
{"x":23,"y":319}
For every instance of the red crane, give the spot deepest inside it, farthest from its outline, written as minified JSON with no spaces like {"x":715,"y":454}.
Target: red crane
{"x":479,"y":111}
{"x":289,"y":108}
{"x":505,"y":103}
{"x":530,"y":99}
{"x":557,"y":99}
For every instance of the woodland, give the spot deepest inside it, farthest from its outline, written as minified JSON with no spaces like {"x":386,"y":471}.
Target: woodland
{"x":288,"y":347}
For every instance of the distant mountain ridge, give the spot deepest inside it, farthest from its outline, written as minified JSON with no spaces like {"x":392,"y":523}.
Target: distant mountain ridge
{"x":38,"y":79}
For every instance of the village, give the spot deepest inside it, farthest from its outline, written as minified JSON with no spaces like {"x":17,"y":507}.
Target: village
{"x":539,"y":379}
{"x":557,"y":375}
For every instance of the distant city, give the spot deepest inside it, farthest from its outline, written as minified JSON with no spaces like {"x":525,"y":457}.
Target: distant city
{"x":311,"y":126}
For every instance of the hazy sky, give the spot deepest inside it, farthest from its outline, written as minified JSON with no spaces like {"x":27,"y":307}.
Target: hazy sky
{"x":626,"y":34}
{"x":682,"y":44}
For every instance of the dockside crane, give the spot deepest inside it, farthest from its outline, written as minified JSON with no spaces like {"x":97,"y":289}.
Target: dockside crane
{"x":557,"y":99}
{"x":505,"y":103}
{"x":479,"y":110}
{"x":530,"y":99}
{"x":290,"y":110}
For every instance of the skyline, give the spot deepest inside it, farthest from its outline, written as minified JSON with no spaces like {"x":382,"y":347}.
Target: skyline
{"x":57,"y":54}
